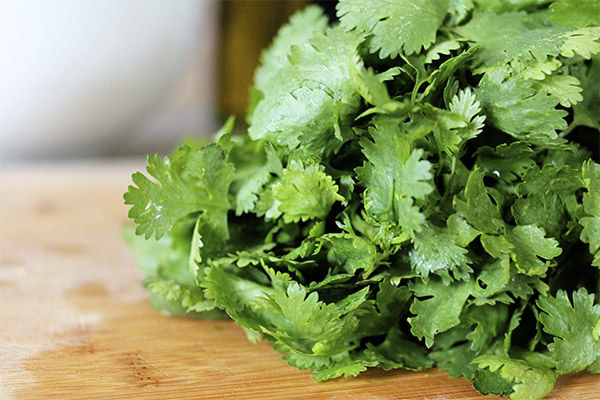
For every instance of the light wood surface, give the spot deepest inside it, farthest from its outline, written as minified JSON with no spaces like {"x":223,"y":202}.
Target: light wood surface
{"x":75,"y":323}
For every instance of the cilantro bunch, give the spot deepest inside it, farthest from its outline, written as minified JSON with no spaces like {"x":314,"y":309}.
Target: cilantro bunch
{"x":417,"y":188}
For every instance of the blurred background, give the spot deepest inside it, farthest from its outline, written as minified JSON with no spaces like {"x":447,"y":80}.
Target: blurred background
{"x":113,"y":78}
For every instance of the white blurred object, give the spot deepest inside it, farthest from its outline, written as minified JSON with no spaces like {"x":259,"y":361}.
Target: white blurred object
{"x":81,"y":78}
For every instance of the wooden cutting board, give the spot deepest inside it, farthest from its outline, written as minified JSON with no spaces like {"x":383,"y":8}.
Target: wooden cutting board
{"x":75,"y":322}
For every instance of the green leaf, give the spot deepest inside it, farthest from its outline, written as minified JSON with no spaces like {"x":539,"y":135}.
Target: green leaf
{"x":398,"y":351}
{"x":190,"y":297}
{"x":577,"y":13}
{"x":351,"y":252}
{"x":591,"y":205}
{"x":586,"y":111}
{"x":346,"y":367}
{"x":486,"y":323}
{"x":197,"y":182}
{"x":396,"y":26}
{"x":301,"y":28}
{"x":460,"y":124}
{"x":488,"y":382}
{"x":531,"y":250}
{"x":394,"y":177}
{"x":441,"y":48}
{"x":503,"y":38}
{"x":311,"y":98}
{"x":305,"y":191}
{"x":507,"y":162}
{"x":304,"y":316}
{"x":435,"y":251}
{"x":565,"y":88}
{"x":440,"y":311}
{"x":582,"y":41}
{"x":251,"y":179}
{"x":576,"y":346}
{"x":515,"y":107}
{"x":528,"y":382}
{"x":477,"y":207}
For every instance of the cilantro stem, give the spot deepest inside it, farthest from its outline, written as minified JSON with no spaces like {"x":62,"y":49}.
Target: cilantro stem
{"x":574,"y":124}
{"x":451,"y":180}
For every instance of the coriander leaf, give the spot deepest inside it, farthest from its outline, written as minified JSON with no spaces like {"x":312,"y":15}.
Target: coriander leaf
{"x":441,"y":309}
{"x":591,"y":205}
{"x":536,"y":69}
{"x":197,"y":182}
{"x":586,"y":111}
{"x":346,"y":367}
{"x":398,"y":351}
{"x":304,"y":316}
{"x":311,"y":98}
{"x":575,"y":346}
{"x":455,"y":359}
{"x":236,"y":295}
{"x":459,"y":228}
{"x":503,"y":38}
{"x":435,"y":251}
{"x":546,"y":211}
{"x":394,"y":177}
{"x":460,"y":124}
{"x":550,"y":179}
{"x":486,"y":323}
{"x":251,"y":179}
{"x":582,"y":41}
{"x":304,"y":192}
{"x":441,"y":48}
{"x":391,"y":303}
{"x":577,"y":13}
{"x":190,"y":297}
{"x":514,"y":106}
{"x":301,"y":28}
{"x":352,"y":253}
{"x":565,"y":88}
{"x":488,"y":382}
{"x":393,"y":23}
{"x":507,"y":162}
{"x":501,"y":6}
{"x":530,"y":248}
{"x":528,"y":382}
{"x":459,"y":10}
{"x":477,"y":207}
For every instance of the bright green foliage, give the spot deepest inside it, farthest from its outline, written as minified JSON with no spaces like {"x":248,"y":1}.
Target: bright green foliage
{"x":506,"y":162}
{"x":310,"y":99}
{"x":515,"y":107}
{"x":394,"y":177}
{"x":351,"y":253}
{"x":586,"y":111}
{"x":506,"y":37}
{"x":440,"y":312}
{"x":299,"y":30}
{"x":575,"y":12}
{"x":528,"y":382}
{"x":398,"y":26}
{"x":574,"y":327}
{"x":305,"y":192}
{"x":564,"y":87}
{"x":196,"y":181}
{"x":419,"y":187}
{"x":436,"y":252}
{"x":591,"y":204}
{"x":530,"y":248}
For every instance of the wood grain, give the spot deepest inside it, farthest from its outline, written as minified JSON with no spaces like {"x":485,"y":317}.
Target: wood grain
{"x":75,"y":322}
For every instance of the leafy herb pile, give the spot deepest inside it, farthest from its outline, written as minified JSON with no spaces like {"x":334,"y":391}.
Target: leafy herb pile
{"x":412,"y":192}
